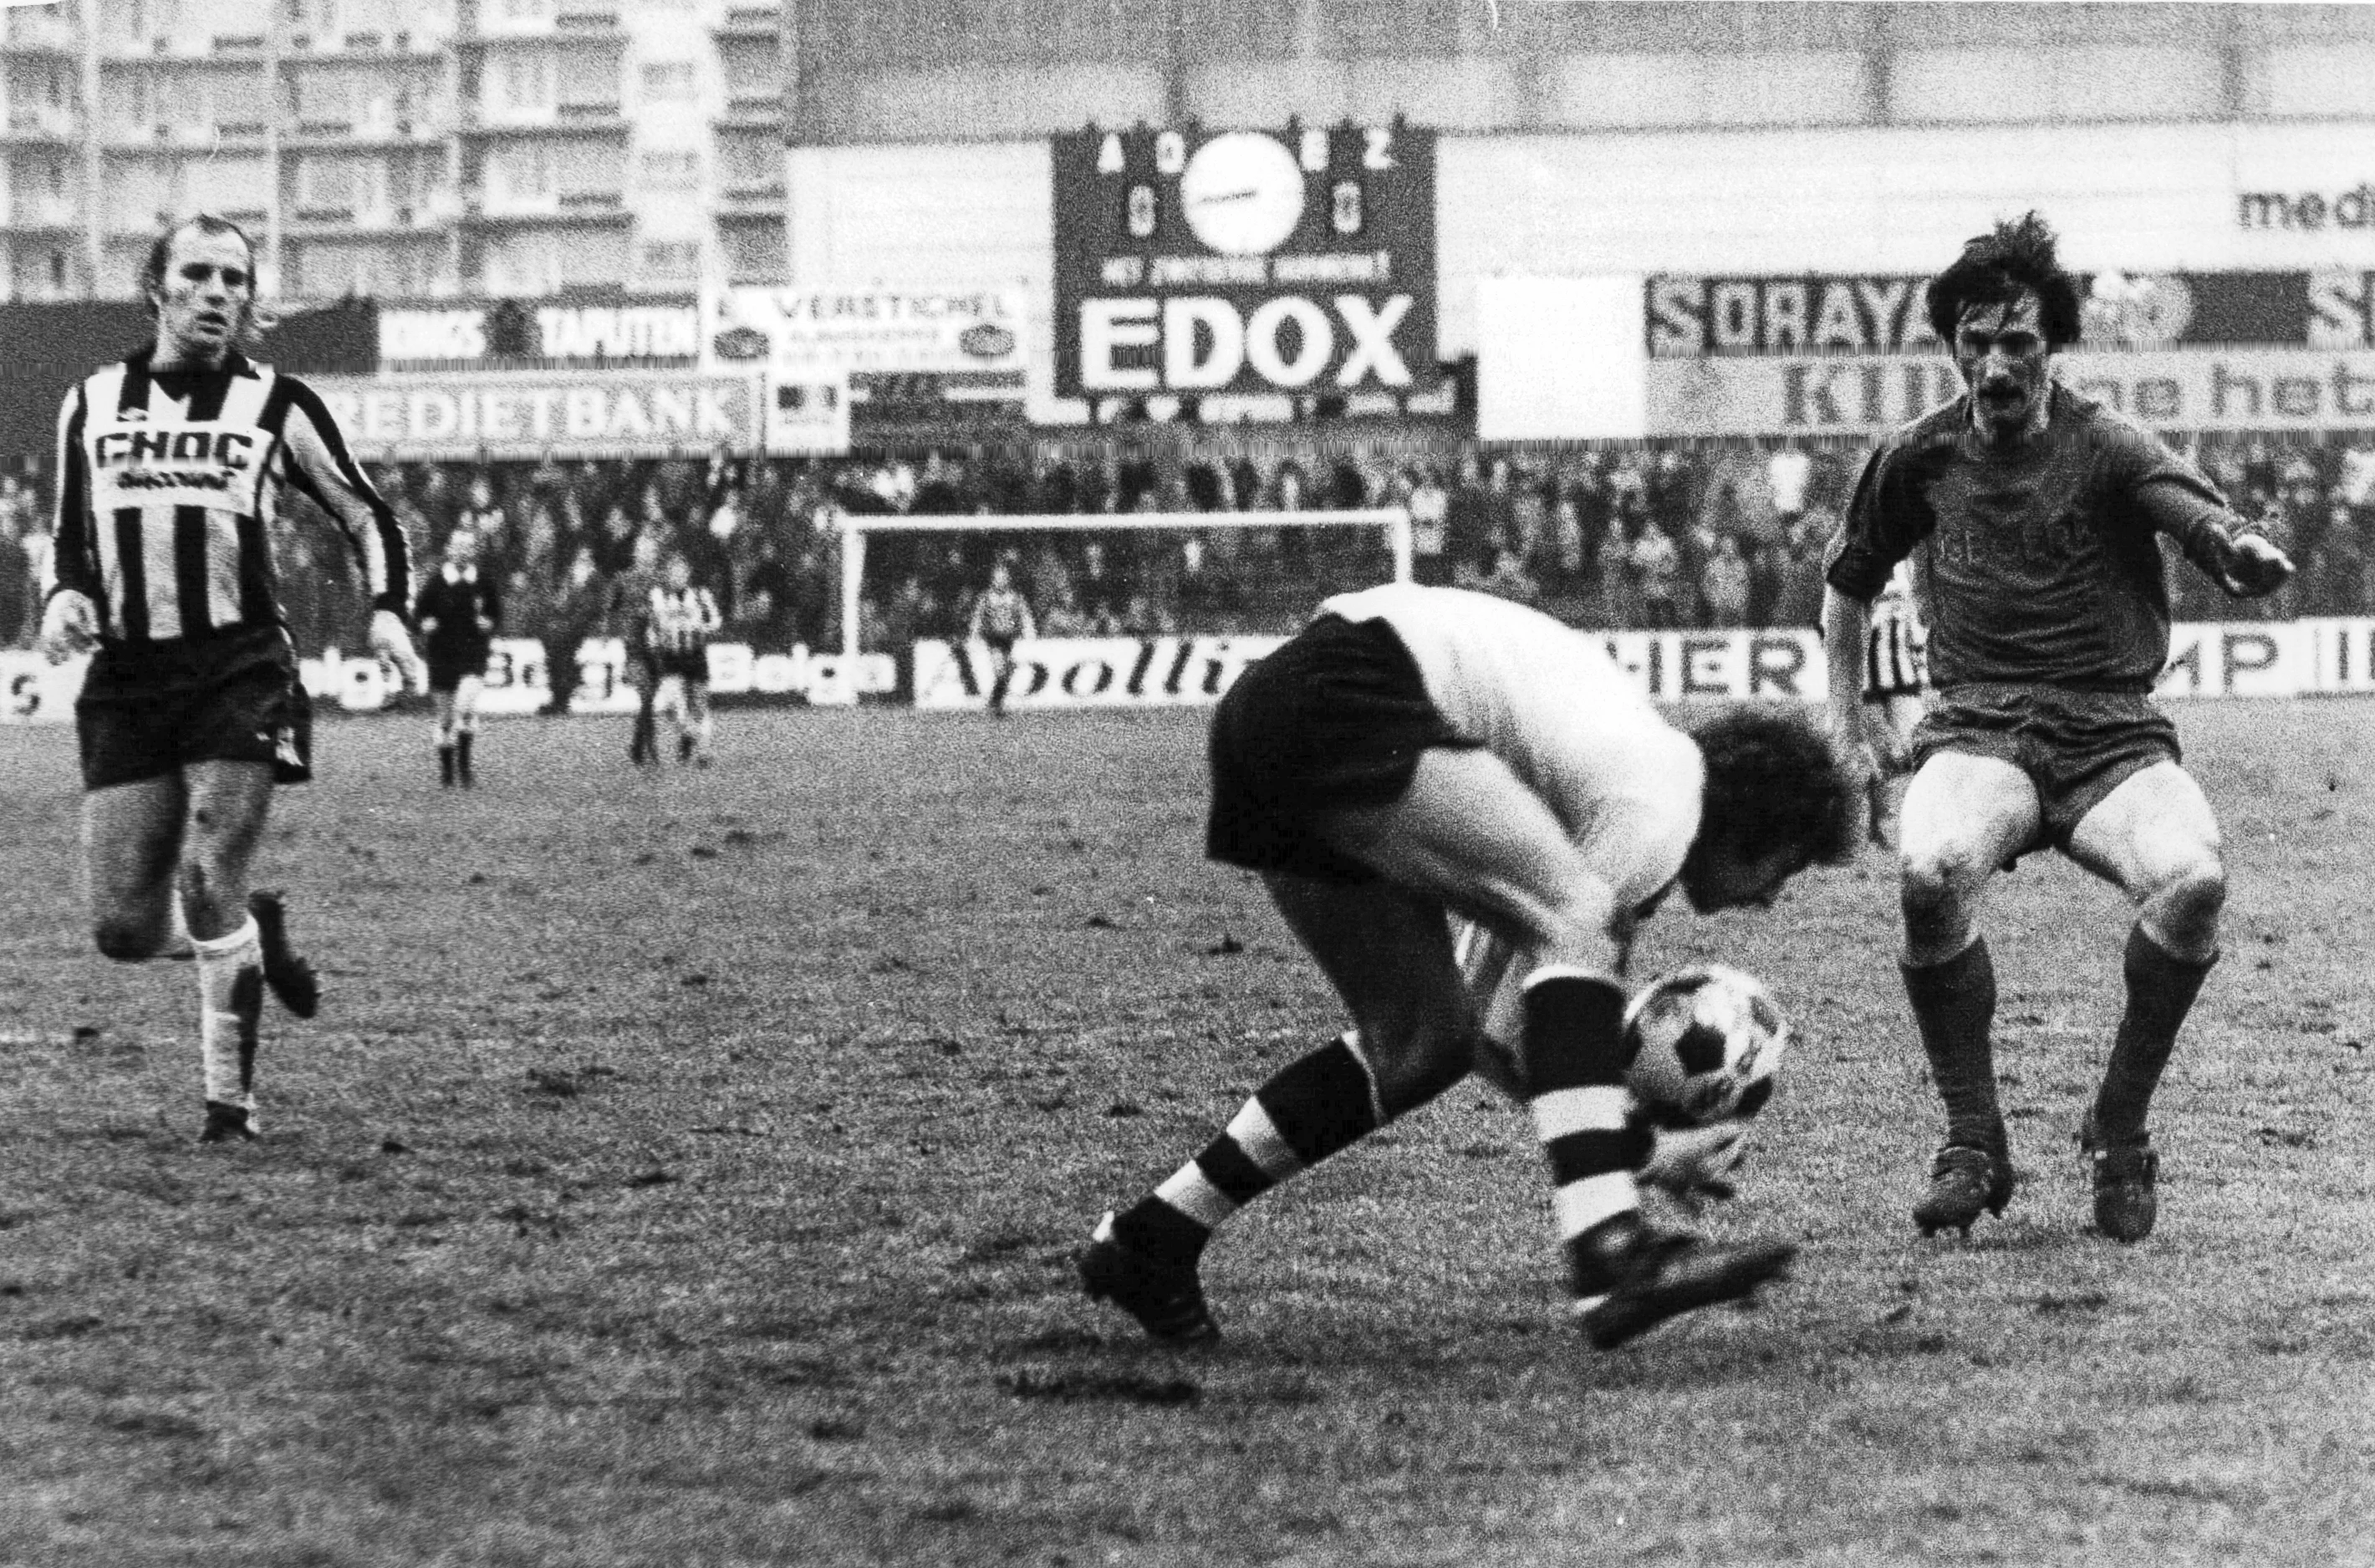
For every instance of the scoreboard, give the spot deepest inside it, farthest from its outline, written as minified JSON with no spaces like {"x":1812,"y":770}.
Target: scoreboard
{"x":1294,"y":268}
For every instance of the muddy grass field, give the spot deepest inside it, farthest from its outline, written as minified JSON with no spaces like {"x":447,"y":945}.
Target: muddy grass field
{"x":684,"y":1169}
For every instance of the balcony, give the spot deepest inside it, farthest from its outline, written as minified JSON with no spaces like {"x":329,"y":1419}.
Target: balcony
{"x":751,"y":111}
{"x":765,"y":22}
{"x":574,"y":209}
{"x":562,"y":120}
{"x":427,"y":220}
{"x":38,"y":125}
{"x":44,"y":31}
{"x":44,"y":216}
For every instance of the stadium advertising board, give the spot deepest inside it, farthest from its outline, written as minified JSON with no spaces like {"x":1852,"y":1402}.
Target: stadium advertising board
{"x":1693,"y":318}
{"x":2183,"y":389}
{"x":646,"y":334}
{"x":1270,"y":266}
{"x":528,"y":415}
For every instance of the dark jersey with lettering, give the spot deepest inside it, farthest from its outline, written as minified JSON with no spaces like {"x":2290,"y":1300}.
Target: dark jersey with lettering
{"x":167,"y":485}
{"x":2042,"y":566}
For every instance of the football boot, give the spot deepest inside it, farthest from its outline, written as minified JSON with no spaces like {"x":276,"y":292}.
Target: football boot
{"x":1629,"y":1276}
{"x":227,"y":1124}
{"x":2125,"y":1174}
{"x":1167,"y":1298}
{"x":1963,"y":1182}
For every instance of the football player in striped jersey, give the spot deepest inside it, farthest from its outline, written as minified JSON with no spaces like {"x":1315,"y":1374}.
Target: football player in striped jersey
{"x":170,"y":465}
{"x":679,"y":621}
{"x":1418,"y":754}
{"x":1894,"y":674}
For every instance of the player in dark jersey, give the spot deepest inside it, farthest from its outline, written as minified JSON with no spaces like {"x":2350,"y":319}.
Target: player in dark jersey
{"x":458,"y":611}
{"x":678,"y":622}
{"x":170,"y":468}
{"x":2037,"y":517}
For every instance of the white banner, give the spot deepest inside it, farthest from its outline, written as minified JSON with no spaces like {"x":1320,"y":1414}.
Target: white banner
{"x":823,"y":334}
{"x":1087,"y":672}
{"x":806,"y":415}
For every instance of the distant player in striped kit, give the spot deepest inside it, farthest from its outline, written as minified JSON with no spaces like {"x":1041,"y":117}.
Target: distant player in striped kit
{"x":1419,"y":753}
{"x":1001,"y":618}
{"x":1896,"y":671}
{"x":458,"y":611}
{"x":170,"y":468}
{"x":678,"y":622}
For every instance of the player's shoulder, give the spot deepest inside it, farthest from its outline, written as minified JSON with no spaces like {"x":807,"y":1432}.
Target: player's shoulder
{"x":2103,"y":428}
{"x":1927,"y":435}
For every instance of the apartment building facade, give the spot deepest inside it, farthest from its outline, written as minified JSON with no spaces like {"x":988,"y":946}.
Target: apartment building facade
{"x":397,"y":148}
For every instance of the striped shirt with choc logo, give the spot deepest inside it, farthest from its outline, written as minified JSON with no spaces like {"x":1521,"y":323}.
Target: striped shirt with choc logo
{"x":167,"y":486}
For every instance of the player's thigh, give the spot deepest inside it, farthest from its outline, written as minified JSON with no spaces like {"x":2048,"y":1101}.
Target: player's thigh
{"x":467,"y":693}
{"x":1387,"y":951}
{"x":443,"y":702}
{"x":132,"y":843}
{"x":1963,"y":816}
{"x":229,"y":802}
{"x":2155,"y":830}
{"x":696,"y":698}
{"x":1471,"y":834}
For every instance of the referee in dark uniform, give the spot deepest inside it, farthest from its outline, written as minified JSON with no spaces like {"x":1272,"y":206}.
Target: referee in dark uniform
{"x":458,"y":611}
{"x":170,"y":465}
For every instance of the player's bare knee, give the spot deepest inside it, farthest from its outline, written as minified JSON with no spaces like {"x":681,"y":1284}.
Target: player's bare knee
{"x":2186,"y":904}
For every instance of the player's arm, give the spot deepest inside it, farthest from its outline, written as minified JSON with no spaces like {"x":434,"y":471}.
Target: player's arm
{"x":70,"y":601}
{"x":2177,"y":501}
{"x":490,"y":606}
{"x":1028,"y":622}
{"x":314,"y":458}
{"x":1874,"y":536}
{"x":424,"y":608}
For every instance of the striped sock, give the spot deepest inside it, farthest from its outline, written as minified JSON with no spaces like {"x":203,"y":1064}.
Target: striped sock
{"x":1573,"y":1081}
{"x":1310,"y":1109}
{"x":231,"y":1000}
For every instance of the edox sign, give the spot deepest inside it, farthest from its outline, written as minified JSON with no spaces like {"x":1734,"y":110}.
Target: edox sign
{"x":1245,"y":262}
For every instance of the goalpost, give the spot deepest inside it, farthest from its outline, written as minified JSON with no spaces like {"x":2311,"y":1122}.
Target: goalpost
{"x":1393,"y":521}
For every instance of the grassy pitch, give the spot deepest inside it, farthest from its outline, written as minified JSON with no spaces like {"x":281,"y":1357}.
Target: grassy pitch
{"x":685,"y":1169}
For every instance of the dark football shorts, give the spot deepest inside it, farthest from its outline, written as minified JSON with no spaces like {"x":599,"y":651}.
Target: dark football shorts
{"x":693,"y":666}
{"x":447,"y":673}
{"x":1335,"y":718}
{"x":2076,"y":747}
{"x":148,"y":714}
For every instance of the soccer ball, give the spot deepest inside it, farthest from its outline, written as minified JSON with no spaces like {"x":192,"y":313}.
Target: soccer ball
{"x":1705,"y":1042}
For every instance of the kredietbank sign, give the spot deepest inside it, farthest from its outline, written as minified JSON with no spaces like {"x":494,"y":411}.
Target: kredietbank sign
{"x":522,"y":416}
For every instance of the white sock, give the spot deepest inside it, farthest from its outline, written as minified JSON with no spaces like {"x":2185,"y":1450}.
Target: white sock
{"x":230,"y":999}
{"x":178,"y":943}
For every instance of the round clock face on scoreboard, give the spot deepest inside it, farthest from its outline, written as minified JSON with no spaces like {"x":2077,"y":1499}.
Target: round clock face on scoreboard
{"x":1242,"y":193}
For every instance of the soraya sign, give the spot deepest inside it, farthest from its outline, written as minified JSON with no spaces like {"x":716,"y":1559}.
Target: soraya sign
{"x":1299,"y":262}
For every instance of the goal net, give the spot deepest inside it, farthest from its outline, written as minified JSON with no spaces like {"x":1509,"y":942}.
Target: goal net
{"x":1132,"y":575}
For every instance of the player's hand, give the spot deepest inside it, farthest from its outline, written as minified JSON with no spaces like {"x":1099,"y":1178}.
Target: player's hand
{"x":2254,"y":567}
{"x":69,"y":625}
{"x":391,"y":642}
{"x":1695,"y":1164}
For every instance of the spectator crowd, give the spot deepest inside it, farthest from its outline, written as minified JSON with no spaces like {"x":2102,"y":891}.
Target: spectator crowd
{"x":1705,"y":535}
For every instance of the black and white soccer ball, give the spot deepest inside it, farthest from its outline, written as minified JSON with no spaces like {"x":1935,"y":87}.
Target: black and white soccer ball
{"x":1706,"y":1042}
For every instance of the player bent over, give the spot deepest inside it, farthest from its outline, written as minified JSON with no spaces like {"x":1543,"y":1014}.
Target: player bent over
{"x":458,"y":612}
{"x":2038,"y":516}
{"x":170,"y":468}
{"x":1418,"y":754}
{"x":678,"y":622}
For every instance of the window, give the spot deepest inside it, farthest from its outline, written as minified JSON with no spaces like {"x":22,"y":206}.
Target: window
{"x":524,"y":173}
{"x":526,"y":10}
{"x":525,"y":81}
{"x":672,"y":260}
{"x":670,"y":170}
{"x":668,"y":81}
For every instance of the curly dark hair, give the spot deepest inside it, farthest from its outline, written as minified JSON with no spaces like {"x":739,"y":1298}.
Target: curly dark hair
{"x":1992,"y":270}
{"x":1773,"y":779}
